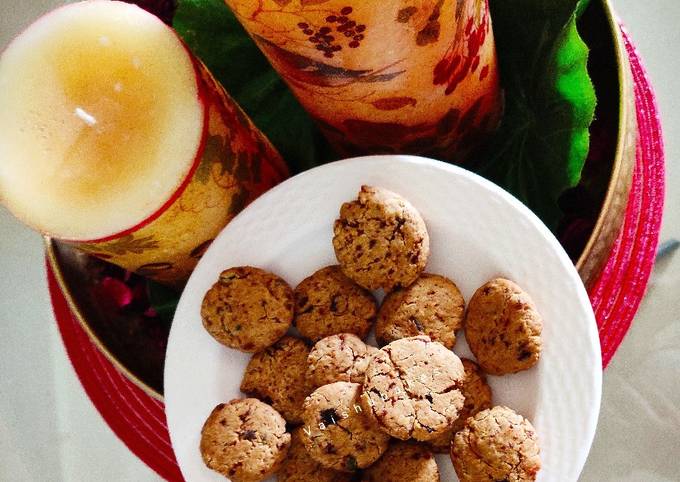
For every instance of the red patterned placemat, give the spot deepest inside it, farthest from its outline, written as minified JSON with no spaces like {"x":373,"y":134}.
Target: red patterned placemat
{"x":621,"y":286}
{"x":139,"y":420}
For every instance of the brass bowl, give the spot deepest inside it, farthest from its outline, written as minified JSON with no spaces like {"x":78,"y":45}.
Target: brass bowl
{"x":610,"y":220}
{"x":126,"y":343}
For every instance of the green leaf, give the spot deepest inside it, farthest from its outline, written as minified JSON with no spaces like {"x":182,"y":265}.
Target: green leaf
{"x":582,"y":5}
{"x":542,"y":144}
{"x":163,"y":300}
{"x":212,"y":32}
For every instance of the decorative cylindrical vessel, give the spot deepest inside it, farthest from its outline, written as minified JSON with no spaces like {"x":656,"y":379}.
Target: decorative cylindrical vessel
{"x":401,"y":76}
{"x":116,"y":139}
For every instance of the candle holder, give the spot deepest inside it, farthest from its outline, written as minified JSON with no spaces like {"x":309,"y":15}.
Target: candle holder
{"x":385,"y":77}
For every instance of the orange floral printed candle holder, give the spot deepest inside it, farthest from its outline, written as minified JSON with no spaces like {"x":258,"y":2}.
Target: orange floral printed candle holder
{"x":414,"y":76}
{"x":235,"y":163}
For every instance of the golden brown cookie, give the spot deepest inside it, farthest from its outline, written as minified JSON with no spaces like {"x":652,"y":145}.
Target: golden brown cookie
{"x":328,"y":302}
{"x":380,"y":240}
{"x":503,"y":328}
{"x":413,"y":388}
{"x":278,"y":375}
{"x":432,"y":306}
{"x":248,"y":308}
{"x":300,"y":467}
{"x":337,"y":433}
{"x":244,"y":440}
{"x":338,"y":358}
{"x":404,"y":461}
{"x":496,"y":444}
{"x":477,"y":393}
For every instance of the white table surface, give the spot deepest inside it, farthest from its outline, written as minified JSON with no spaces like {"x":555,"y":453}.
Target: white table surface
{"x":49,"y":430}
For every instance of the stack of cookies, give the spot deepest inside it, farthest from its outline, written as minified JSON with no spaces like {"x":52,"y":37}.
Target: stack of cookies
{"x":327,"y":406}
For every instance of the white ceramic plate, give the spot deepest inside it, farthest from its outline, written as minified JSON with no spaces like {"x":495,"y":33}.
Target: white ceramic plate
{"x":477,"y":232}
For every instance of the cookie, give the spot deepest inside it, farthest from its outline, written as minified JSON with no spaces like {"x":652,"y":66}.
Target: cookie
{"x":337,"y":433}
{"x":278,"y":375}
{"x":503,"y":328}
{"x":300,"y":467}
{"x":413,"y":388}
{"x":477,"y":393}
{"x":496,"y":444}
{"x":247,"y":309}
{"x":328,"y":303}
{"x":244,"y":440}
{"x":338,"y":358}
{"x":432,"y":306}
{"x":380,"y":240}
{"x":404,"y":461}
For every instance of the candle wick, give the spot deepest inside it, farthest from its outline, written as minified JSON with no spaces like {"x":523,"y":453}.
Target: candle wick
{"x":85,"y":117}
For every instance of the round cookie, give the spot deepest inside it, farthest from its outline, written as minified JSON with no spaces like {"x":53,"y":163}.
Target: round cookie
{"x":432,"y":306}
{"x":338,"y":358}
{"x":300,"y":467}
{"x":404,"y":461}
{"x":412,"y":388}
{"x":248,"y":308}
{"x":328,"y":302}
{"x":380,"y":240}
{"x":496,"y":444}
{"x":477,"y":393}
{"x":244,"y":440}
{"x":503,"y":328}
{"x":337,"y":433}
{"x":278,"y":375}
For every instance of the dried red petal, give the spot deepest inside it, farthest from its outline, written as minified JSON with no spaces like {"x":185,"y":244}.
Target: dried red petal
{"x":468,"y":27}
{"x":475,"y":64}
{"x":484,"y":73}
{"x":116,"y":292}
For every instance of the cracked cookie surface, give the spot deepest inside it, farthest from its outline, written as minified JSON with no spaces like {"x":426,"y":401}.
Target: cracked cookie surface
{"x":432,"y":306}
{"x":503,"y":328}
{"x":328,"y":302}
{"x":337,"y":433}
{"x":278,"y":375}
{"x":300,"y":467}
{"x":247,"y":308}
{"x":413,"y":388}
{"x":496,"y":444}
{"x":381,"y":240}
{"x":404,"y":461}
{"x":244,"y":440}
{"x":339,"y":358}
{"x":477,"y":393}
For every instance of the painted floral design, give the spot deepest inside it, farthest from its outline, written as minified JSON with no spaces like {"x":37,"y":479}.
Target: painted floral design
{"x":337,"y":27}
{"x":361,"y":69}
{"x":299,"y":69}
{"x":128,"y":244}
{"x":462,"y":58}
